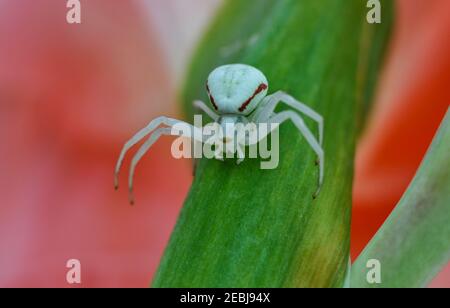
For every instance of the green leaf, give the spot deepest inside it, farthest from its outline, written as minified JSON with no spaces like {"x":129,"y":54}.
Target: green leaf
{"x":246,"y":227}
{"x":414,"y":242}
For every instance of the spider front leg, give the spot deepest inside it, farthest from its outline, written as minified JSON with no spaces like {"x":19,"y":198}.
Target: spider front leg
{"x":195,"y":132}
{"x":140,"y":153}
{"x":138,"y":137}
{"x":304,"y":130}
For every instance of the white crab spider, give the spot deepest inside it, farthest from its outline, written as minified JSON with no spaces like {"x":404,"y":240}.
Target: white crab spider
{"x":238,"y":95}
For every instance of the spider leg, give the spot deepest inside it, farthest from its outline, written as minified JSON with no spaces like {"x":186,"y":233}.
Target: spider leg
{"x":198,"y":104}
{"x":202,"y":106}
{"x":270,"y":103}
{"x":240,"y":154}
{"x":145,"y":147}
{"x":219,"y":154}
{"x":256,"y":136}
{"x":304,"y":130}
{"x":138,"y":137}
{"x":140,"y":153}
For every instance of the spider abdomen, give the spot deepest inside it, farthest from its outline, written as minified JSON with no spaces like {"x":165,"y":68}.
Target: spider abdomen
{"x":236,"y":88}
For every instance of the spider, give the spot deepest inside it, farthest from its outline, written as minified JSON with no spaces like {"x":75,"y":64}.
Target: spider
{"x":238,"y":94}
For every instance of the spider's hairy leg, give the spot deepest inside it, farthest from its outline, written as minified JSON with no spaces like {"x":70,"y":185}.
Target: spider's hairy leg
{"x":267,"y":109}
{"x":304,"y":130}
{"x":138,"y":137}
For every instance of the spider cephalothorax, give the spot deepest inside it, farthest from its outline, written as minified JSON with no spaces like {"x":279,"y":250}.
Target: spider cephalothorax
{"x":238,"y":94}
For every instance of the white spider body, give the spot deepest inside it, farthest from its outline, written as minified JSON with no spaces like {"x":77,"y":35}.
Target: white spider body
{"x":236,"y":89}
{"x":238,"y":94}
{"x":227,"y":123}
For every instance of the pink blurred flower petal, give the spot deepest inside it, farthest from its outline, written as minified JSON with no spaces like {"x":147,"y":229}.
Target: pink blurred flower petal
{"x":70,"y":95}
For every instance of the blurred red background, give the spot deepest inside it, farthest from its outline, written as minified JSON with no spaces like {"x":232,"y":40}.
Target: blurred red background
{"x":70,"y":95}
{"x":412,"y":100}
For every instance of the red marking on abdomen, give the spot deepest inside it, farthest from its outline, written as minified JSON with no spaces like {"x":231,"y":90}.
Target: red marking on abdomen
{"x":211,"y":98}
{"x":261,"y":88}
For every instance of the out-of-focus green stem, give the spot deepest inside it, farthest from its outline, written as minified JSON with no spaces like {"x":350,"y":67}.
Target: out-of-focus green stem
{"x":414,"y":242}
